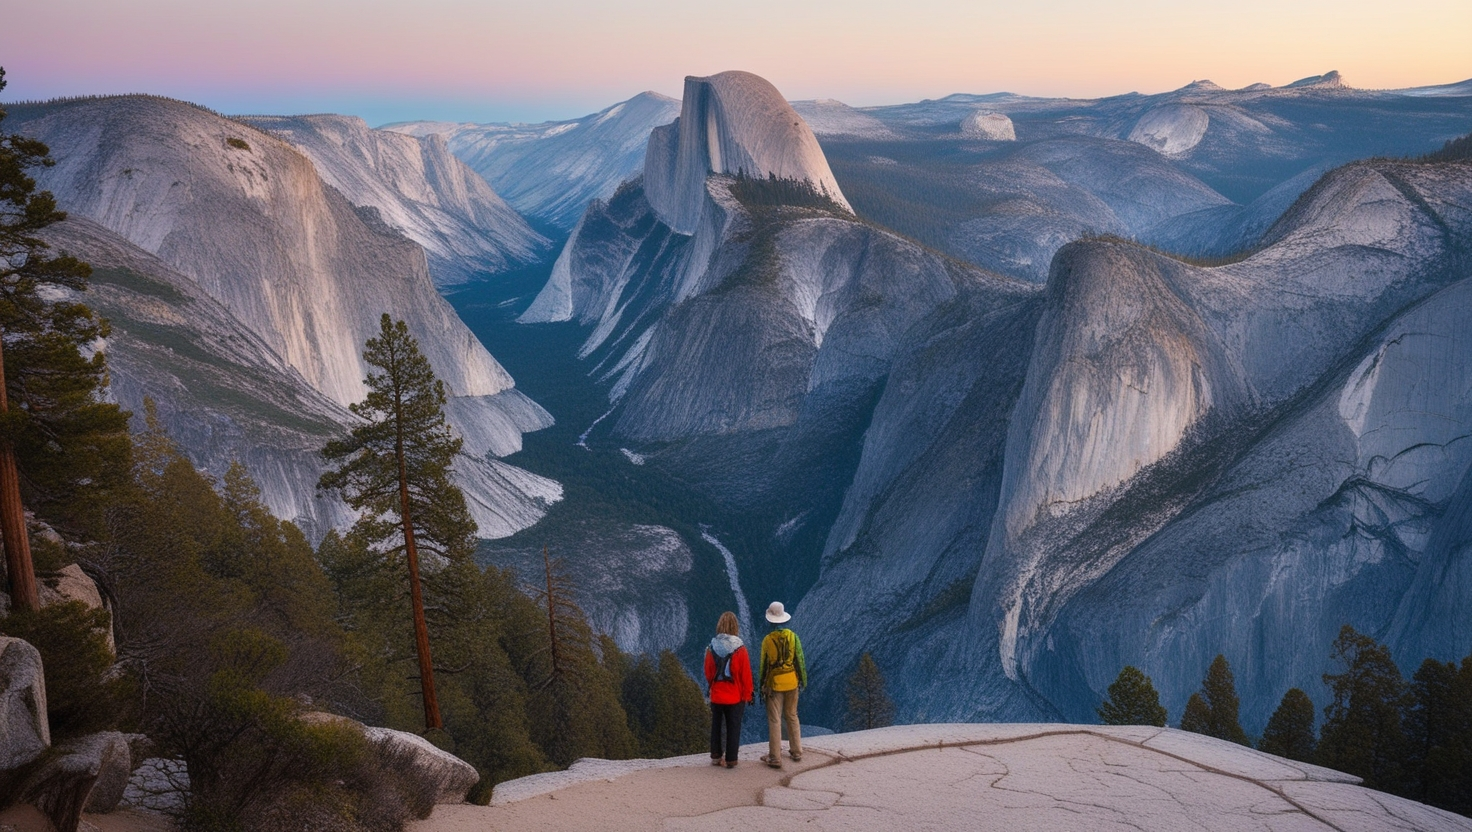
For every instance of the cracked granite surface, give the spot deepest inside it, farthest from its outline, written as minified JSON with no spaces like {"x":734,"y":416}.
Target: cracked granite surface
{"x":974,"y":777}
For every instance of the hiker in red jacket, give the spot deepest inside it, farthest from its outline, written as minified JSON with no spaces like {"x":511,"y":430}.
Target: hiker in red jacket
{"x":728,"y":677}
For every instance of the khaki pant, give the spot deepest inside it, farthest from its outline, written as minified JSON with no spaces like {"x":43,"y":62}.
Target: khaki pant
{"x":782,"y":708}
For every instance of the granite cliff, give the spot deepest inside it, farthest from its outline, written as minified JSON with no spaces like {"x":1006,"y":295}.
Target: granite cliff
{"x":246,"y":219}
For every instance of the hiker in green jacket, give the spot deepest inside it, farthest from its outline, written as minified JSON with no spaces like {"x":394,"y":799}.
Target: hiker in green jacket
{"x":783,"y":673}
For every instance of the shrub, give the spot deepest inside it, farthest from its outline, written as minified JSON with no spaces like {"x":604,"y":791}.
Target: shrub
{"x":84,"y":693}
{"x":237,"y":143}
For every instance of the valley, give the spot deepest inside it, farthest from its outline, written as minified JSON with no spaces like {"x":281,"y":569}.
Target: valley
{"x":1001,"y":395}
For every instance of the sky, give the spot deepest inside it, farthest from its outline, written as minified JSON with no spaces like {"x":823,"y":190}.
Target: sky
{"x":491,"y":60}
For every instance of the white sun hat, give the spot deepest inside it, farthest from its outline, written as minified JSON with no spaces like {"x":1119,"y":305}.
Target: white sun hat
{"x":776,"y":614}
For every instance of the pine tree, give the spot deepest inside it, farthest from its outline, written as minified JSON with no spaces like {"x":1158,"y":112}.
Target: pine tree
{"x":681,"y":717}
{"x":868,"y":704}
{"x":1196,"y":718}
{"x":1132,"y":701}
{"x":395,"y":468}
{"x":1363,"y":733}
{"x":57,"y":441}
{"x":1290,"y":731}
{"x":1213,"y":711}
{"x":1439,"y":729}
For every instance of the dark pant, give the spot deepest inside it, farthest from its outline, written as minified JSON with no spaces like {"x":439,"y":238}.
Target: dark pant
{"x":728,"y":716}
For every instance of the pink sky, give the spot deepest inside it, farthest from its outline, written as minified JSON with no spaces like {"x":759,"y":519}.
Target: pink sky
{"x":485,"y":61}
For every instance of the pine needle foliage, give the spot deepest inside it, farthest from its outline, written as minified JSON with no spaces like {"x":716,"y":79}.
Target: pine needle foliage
{"x":1132,"y":700}
{"x":869,"y":706}
{"x":1290,"y":730}
{"x":1363,"y":733}
{"x":395,"y":467}
{"x":61,"y":448}
{"x":1214,"y":711}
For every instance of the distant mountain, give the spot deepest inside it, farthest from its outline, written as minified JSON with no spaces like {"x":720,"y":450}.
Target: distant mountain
{"x":1006,"y":491}
{"x":418,"y":188}
{"x":1222,"y":164}
{"x":246,"y":217}
{"x":552,"y":170}
{"x":1239,"y":142}
{"x":732,"y":123}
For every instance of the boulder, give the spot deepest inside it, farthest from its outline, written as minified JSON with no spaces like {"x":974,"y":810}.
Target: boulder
{"x":985,"y":124}
{"x":72,"y":584}
{"x":448,"y":776}
{"x":115,"y":767}
{"x":24,"y":732}
{"x":88,"y":772}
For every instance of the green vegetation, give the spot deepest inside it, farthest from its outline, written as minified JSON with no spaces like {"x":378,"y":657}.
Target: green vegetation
{"x":1456,"y":150}
{"x":666,"y":710}
{"x":394,"y":469}
{"x":141,"y":284}
{"x":755,"y":193}
{"x":1411,"y":739}
{"x":1132,"y":701}
{"x":61,"y":448}
{"x":868,"y":704}
{"x":1213,"y":711}
{"x":1290,"y":731}
{"x":238,"y":143}
{"x":1363,"y":733}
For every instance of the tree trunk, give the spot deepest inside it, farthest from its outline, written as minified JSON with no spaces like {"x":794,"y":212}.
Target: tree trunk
{"x":551,"y":616}
{"x":416,"y":596}
{"x":18,"y":566}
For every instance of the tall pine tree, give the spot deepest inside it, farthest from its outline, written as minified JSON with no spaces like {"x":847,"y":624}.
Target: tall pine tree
{"x":1439,"y":730}
{"x":869,"y":706}
{"x":58,"y":443}
{"x":395,"y":469}
{"x":1363,"y":733}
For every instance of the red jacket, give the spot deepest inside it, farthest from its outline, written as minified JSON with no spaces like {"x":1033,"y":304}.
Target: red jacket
{"x":739,"y":688}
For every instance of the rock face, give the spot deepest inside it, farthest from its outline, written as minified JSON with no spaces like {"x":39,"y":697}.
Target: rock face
{"x":417,"y":188}
{"x":1171,"y":130}
{"x":70,"y":584}
{"x":632,"y":583}
{"x":24,"y":731}
{"x":730,"y":123}
{"x":224,"y":212}
{"x":88,"y":773}
{"x":1201,"y":461}
{"x":446,"y":776}
{"x":1006,"y":494}
{"x":450,"y":777}
{"x":962,"y":776}
{"x":988,"y":125}
{"x":553,"y":170}
{"x":781,"y":359}
{"x":828,"y":117}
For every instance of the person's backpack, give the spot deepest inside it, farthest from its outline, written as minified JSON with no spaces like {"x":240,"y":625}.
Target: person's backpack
{"x":723,"y":667}
{"x":783,"y":644}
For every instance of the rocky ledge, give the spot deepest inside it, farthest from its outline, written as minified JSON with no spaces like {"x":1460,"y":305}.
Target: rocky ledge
{"x":960,"y":776}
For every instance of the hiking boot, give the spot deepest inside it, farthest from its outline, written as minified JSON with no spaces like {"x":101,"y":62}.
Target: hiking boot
{"x":715,"y":761}
{"x":730,"y":764}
